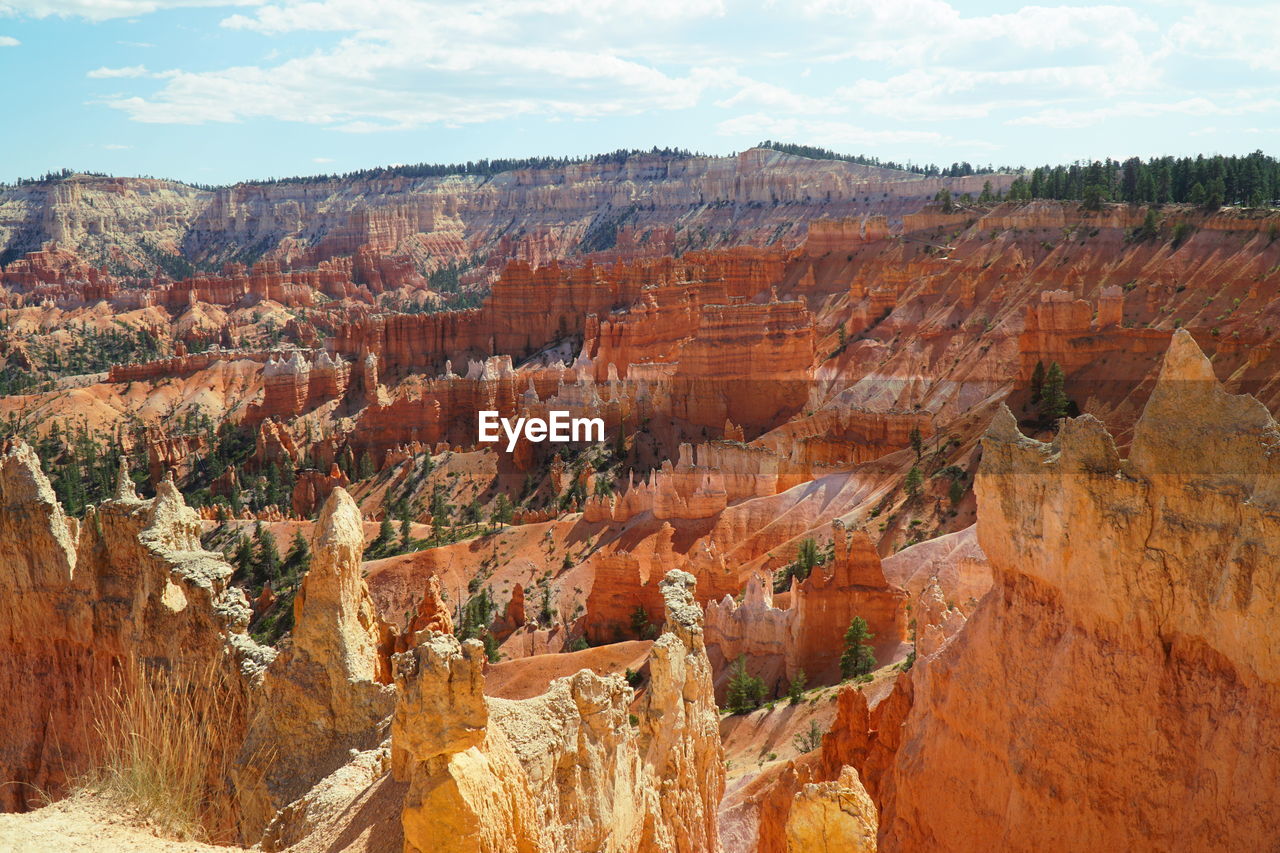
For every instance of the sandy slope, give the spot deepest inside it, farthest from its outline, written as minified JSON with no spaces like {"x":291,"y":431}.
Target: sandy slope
{"x":85,"y":824}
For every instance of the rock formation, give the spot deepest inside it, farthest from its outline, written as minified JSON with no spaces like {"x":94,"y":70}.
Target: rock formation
{"x":773,"y":195}
{"x":85,"y":601}
{"x":492,"y":774}
{"x":327,"y":693}
{"x":1111,"y":690}
{"x":311,"y":489}
{"x":779,"y":643}
{"x":773,"y":359}
{"x":833,"y":817}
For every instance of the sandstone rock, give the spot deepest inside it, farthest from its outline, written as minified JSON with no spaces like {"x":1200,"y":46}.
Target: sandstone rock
{"x":327,"y":692}
{"x":833,"y":817}
{"x":1116,"y":667}
{"x":312,"y":488}
{"x":778,"y":644}
{"x":483,"y":773}
{"x":431,"y":616}
{"x":679,"y":724}
{"x":131,"y":585}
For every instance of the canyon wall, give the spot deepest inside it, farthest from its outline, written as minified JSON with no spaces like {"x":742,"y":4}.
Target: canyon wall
{"x":1112,"y":690}
{"x":563,"y":210}
{"x":87,"y":600}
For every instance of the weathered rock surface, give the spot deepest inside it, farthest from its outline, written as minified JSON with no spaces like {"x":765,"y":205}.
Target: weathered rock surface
{"x":1111,"y":691}
{"x":327,"y":693}
{"x":833,"y":817}
{"x":565,"y":770}
{"x":86,"y":600}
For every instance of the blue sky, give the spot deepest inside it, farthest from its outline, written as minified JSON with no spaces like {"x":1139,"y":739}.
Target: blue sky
{"x":212,"y":91}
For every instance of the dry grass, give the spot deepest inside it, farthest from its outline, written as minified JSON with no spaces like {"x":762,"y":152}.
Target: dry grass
{"x":163,"y":746}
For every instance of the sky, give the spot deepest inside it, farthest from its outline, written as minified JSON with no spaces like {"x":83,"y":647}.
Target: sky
{"x":214,"y":91}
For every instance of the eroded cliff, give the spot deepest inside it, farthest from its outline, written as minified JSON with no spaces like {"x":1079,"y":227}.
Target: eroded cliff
{"x":570,"y":769}
{"x":1111,"y":691}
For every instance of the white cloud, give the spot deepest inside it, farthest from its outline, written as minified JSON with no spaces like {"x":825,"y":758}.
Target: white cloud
{"x":1246,"y":34}
{"x":1196,"y":107}
{"x":109,"y":73}
{"x":777,"y":98}
{"x":9,"y":41}
{"x":102,"y":10}
{"x":419,"y":64}
{"x":840,"y":73}
{"x":935,"y":94}
{"x":112,"y":146}
{"x":487,"y":17}
{"x":911,"y":32}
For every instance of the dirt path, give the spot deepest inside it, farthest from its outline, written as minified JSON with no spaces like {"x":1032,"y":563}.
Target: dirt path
{"x":82,"y":824}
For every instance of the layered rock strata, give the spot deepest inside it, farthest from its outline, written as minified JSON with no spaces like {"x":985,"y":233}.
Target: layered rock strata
{"x":1112,"y":690}
{"x":566,"y":770}
{"x":328,"y":692}
{"x":86,"y":601}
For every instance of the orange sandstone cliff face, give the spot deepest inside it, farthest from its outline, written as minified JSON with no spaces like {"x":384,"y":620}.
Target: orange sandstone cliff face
{"x":566,"y":770}
{"x":327,"y":694}
{"x":807,"y":637}
{"x":1113,"y":689}
{"x":84,"y":600}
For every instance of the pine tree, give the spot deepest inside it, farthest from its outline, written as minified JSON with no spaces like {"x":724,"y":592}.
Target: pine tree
{"x":440,"y":511}
{"x":1092,"y":198}
{"x":242,"y":559}
{"x":858,"y":657}
{"x":545,"y":613}
{"x":272,"y":494}
{"x":1215,"y":194}
{"x":746,"y":691}
{"x":1150,"y":228}
{"x":1053,"y":401}
{"x":502,"y":512}
{"x":913,"y":483}
{"x":298,"y":558}
{"x":1037,"y":383}
{"x":809,"y":739}
{"x":266,"y":559}
{"x":476,"y":615}
{"x":640,"y":622}
{"x":386,"y":533}
{"x":806,"y":558}
{"x":795,"y":690}
{"x":1129,"y":181}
